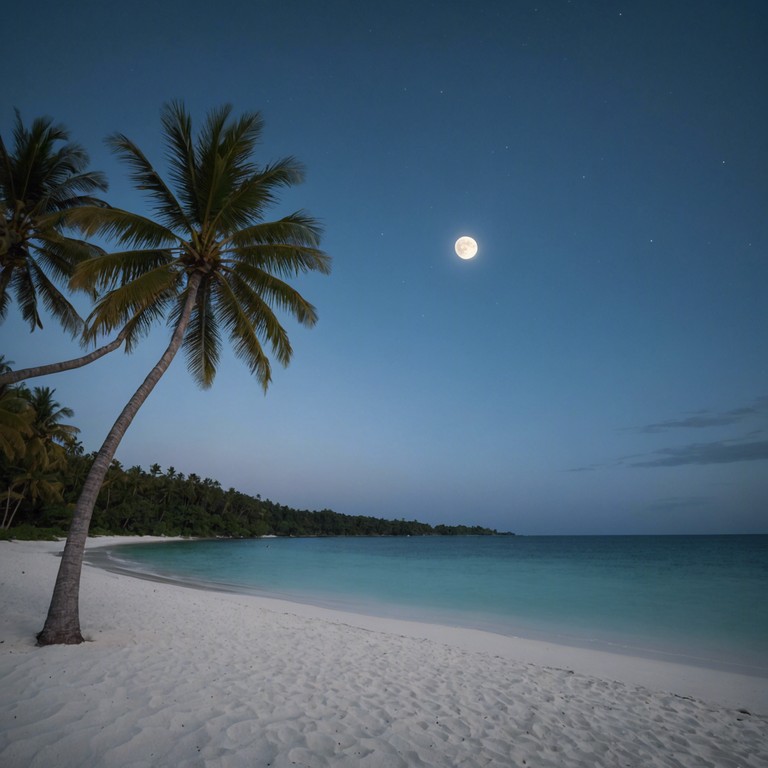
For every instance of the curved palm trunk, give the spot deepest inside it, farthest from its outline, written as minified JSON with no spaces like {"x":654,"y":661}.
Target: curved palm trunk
{"x":62,"y":624}
{"x":8,"y":516}
{"x":12,"y":377}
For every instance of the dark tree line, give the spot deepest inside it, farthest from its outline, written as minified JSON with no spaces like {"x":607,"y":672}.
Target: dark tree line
{"x":169,"y":503}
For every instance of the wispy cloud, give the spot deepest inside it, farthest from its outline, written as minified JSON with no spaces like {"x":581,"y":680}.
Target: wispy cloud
{"x":749,"y":446}
{"x":703,"y":419}
{"x":675,"y":503}
{"x":603,"y":465}
{"x":588,"y":468}
{"x":719,"y":452}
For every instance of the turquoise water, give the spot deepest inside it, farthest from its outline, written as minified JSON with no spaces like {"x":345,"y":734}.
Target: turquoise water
{"x":697,"y":599}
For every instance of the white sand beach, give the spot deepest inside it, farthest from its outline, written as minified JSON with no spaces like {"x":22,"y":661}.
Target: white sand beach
{"x":174,"y":676}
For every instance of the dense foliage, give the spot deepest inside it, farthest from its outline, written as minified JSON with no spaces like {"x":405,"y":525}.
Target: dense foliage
{"x":42,"y":472}
{"x":42,"y":174}
{"x":135,"y":501}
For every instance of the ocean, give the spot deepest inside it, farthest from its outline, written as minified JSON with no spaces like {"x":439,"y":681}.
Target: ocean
{"x":699,"y":600}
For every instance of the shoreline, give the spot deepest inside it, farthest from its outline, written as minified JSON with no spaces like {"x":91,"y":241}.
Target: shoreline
{"x":249,"y":678}
{"x":97,"y":555}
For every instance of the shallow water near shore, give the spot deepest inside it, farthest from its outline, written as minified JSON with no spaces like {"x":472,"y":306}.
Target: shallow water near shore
{"x":693,"y":599}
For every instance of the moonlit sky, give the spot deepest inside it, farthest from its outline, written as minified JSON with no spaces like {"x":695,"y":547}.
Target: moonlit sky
{"x":601,"y":366}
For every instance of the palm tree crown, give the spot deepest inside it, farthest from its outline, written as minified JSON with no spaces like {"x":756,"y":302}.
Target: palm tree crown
{"x":210,"y":226}
{"x":39,"y":178}
{"x":47,"y":425}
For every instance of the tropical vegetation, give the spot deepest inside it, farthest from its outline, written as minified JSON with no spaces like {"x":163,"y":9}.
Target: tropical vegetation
{"x":42,"y":175}
{"x":207,"y":262}
{"x":152,"y":501}
{"x":35,"y":462}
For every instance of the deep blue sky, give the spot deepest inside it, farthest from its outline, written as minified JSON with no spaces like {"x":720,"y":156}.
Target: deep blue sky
{"x":600,"y":367}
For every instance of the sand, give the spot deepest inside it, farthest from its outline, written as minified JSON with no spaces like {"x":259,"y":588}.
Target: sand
{"x":174,"y":676}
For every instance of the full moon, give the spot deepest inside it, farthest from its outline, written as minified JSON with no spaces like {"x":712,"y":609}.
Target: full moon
{"x":466,"y":247}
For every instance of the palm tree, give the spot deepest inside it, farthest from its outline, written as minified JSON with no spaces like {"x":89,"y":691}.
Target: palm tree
{"x":34,"y":474}
{"x":47,"y":425}
{"x":16,"y":417}
{"x":39,"y":179}
{"x":34,"y":482}
{"x":209,"y":262}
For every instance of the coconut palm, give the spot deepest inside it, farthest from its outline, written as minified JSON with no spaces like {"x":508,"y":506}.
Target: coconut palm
{"x":35,"y":482}
{"x":47,"y":425}
{"x":43,"y":175}
{"x":40,"y":178}
{"x":208,"y":262}
{"x":34,"y":473}
{"x":16,"y":417}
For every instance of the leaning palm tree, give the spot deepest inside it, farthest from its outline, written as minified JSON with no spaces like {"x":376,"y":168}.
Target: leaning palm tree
{"x":22,"y":374}
{"x":43,"y":175}
{"x":209,"y":263}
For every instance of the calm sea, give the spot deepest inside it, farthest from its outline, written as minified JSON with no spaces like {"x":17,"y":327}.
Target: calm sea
{"x":695,"y":599}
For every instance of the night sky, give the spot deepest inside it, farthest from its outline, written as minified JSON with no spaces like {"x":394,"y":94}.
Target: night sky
{"x":601,"y":366}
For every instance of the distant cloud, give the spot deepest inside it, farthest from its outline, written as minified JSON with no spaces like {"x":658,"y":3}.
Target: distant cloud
{"x":749,"y":446}
{"x":594,"y":467}
{"x":720,"y":452}
{"x":674,"y":503}
{"x":702,"y":419}
{"x":692,"y":422}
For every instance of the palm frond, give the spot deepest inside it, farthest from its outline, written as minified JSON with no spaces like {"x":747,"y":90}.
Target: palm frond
{"x":202,"y":341}
{"x":254,"y":195}
{"x":54,"y":301}
{"x":146,"y":178}
{"x":263,"y":317}
{"x":211,"y":160}
{"x":128,"y":229}
{"x":40,"y":167}
{"x":283,"y":260}
{"x":239,"y":143}
{"x":183,"y":162}
{"x":26,"y":296}
{"x":15,"y":420}
{"x":7,"y":186}
{"x":59,"y":255}
{"x":286,"y":247}
{"x":6,"y":275}
{"x":225,"y":155}
{"x":75,"y":190}
{"x":109,"y":270}
{"x":141,"y":323}
{"x":244,"y":332}
{"x":297,"y":228}
{"x":275,"y":292}
{"x":151,"y":291}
